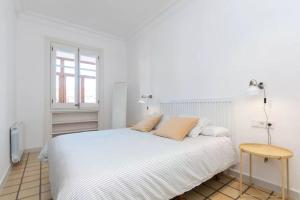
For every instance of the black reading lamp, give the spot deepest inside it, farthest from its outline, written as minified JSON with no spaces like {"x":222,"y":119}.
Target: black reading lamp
{"x":254,"y":89}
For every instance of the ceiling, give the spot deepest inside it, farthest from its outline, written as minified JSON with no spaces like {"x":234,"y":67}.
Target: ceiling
{"x":117,"y":17}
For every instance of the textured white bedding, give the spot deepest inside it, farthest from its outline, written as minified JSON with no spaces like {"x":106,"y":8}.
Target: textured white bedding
{"x":125,"y":164}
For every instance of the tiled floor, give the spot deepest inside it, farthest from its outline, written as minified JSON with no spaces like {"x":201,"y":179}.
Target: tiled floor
{"x":29,"y":181}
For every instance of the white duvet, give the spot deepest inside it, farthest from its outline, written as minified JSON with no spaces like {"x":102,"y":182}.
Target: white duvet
{"x":125,"y":164}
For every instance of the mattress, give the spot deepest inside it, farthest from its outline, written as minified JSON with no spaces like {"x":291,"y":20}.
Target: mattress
{"x":126,"y":164}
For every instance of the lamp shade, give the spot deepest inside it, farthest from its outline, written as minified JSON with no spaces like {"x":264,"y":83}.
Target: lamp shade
{"x":142,"y":101}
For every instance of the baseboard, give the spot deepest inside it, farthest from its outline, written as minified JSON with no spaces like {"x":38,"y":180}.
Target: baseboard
{"x":4,"y":177}
{"x":294,"y":194}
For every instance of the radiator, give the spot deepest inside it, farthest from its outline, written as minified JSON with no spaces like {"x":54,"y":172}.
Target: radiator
{"x":16,"y":142}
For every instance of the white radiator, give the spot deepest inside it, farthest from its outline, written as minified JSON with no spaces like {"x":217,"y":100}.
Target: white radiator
{"x":16,"y":142}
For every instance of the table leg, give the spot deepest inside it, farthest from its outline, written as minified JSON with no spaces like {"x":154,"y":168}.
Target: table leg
{"x":241,"y":173}
{"x":283,"y":178}
{"x":250,"y":168}
{"x":287,"y":178}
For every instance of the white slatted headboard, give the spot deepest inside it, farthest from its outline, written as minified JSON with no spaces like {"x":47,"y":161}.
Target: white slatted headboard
{"x":218,"y":111}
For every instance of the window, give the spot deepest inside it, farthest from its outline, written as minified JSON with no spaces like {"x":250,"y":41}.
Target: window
{"x":74,"y":77}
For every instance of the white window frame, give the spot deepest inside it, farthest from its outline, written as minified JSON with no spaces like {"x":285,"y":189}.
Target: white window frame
{"x":77,"y":51}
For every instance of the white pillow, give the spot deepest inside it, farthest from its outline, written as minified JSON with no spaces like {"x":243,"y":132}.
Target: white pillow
{"x":215,"y":131}
{"x":197,"y":130}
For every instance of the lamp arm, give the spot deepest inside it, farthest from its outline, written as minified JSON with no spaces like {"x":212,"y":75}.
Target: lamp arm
{"x":268,"y":125}
{"x":265,"y":96}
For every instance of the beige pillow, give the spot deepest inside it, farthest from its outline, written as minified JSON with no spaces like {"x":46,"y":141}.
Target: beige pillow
{"x":176,"y":127}
{"x":147,"y":124}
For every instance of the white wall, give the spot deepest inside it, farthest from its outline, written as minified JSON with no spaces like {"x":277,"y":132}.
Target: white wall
{"x":31,"y":70}
{"x":7,"y":80}
{"x":211,"y":49}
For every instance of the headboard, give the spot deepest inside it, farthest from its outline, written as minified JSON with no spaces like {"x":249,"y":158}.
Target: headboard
{"x":218,"y":111}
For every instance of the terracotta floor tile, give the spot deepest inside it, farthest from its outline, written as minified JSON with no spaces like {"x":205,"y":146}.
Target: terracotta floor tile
{"x":30,"y":184}
{"x":219,"y":196}
{"x":45,"y":188}
{"x":45,"y":174}
{"x":13,"y":182}
{"x":235,"y":184}
{"x":32,"y":168}
{"x":204,"y":190}
{"x":46,"y":196}
{"x":45,"y":180}
{"x":28,"y":192}
{"x":31,"y":178}
{"x":9,"y":190}
{"x":214,"y":184}
{"x":193,"y":196}
{"x":247,"y":197}
{"x":224,"y":179}
{"x":9,"y":197}
{"x":257,"y":193}
{"x":44,"y":170}
{"x":15,"y":176}
{"x":16,"y":172}
{"x":34,"y":197}
{"x":31,"y":173}
{"x":229,"y":191}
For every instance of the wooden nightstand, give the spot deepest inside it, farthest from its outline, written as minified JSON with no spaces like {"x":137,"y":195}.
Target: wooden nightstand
{"x":271,"y":152}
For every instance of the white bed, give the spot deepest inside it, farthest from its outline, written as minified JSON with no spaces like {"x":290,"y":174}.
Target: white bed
{"x":126,"y":164}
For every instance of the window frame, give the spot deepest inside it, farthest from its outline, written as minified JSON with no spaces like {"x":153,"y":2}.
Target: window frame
{"x":76,"y":49}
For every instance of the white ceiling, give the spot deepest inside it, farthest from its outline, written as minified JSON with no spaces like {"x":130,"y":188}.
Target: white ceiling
{"x":117,"y":17}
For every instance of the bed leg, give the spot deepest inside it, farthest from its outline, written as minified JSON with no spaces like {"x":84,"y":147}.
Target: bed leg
{"x":217,"y":177}
{"x":181,"y":197}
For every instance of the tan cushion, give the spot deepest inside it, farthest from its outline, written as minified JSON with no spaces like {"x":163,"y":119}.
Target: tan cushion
{"x":147,"y":124}
{"x":176,"y":127}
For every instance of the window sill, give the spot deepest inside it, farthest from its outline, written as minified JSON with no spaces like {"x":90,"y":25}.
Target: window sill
{"x":61,"y":110}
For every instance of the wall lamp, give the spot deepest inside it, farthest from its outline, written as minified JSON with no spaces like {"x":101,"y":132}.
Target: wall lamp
{"x":145,"y":99}
{"x":254,"y":89}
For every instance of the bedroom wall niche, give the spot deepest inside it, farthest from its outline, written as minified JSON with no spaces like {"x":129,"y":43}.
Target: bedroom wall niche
{"x":66,"y":122}
{"x":211,"y":49}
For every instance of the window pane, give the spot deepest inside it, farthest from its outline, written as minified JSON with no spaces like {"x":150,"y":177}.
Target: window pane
{"x":88,"y":85}
{"x":70,"y":89}
{"x":87,"y":73}
{"x":89,"y":59}
{"x":69,"y":70}
{"x":58,"y":62}
{"x":88,"y":66}
{"x":88,"y":90}
{"x":69,"y":63}
{"x":63,"y":54}
{"x":65,"y":72}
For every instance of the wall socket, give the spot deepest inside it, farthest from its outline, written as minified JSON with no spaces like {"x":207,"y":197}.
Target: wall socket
{"x":259,"y":124}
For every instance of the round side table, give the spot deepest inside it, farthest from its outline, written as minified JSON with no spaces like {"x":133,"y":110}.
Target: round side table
{"x":271,"y":152}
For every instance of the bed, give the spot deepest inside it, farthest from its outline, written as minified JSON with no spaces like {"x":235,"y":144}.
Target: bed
{"x":127,"y":164}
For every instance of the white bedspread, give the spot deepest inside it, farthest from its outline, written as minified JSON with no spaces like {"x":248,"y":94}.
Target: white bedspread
{"x":124,"y":164}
